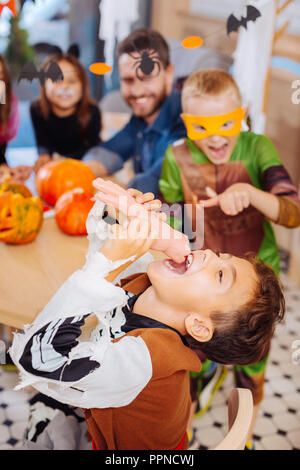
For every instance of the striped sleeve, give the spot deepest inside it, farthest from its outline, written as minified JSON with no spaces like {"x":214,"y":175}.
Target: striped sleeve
{"x":278,"y":182}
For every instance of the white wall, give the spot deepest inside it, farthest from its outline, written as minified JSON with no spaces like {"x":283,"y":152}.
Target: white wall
{"x":223,"y":8}
{"x":215,"y":8}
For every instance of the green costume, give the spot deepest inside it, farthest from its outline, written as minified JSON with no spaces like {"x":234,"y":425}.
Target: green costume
{"x":186,"y":175}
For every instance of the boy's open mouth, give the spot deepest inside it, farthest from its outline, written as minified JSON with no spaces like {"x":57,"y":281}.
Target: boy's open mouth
{"x":180,"y":268}
{"x":219,"y":152}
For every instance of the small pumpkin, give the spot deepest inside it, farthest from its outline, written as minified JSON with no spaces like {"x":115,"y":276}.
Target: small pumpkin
{"x":21,"y":218}
{"x":58,"y":177}
{"x":71,"y":211}
{"x":17,"y":188}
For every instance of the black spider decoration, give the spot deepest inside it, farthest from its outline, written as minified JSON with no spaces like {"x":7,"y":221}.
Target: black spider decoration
{"x":146,"y":62}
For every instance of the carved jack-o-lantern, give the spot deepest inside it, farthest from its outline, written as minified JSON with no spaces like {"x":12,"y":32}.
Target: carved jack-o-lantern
{"x":21,"y":218}
{"x":18,"y":188}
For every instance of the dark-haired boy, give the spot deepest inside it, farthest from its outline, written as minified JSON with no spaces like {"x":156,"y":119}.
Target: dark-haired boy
{"x":224,"y":305}
{"x":240,"y":179}
{"x":156,"y":108}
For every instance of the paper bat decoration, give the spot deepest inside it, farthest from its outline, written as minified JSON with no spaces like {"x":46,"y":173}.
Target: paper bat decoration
{"x":11,"y":4}
{"x":30,"y":72}
{"x":233,"y":23}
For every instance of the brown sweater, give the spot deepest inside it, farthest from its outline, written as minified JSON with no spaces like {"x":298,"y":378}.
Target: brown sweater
{"x":157,"y":418}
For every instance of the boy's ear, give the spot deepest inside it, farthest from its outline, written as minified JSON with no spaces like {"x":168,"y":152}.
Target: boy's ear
{"x":201,"y":329}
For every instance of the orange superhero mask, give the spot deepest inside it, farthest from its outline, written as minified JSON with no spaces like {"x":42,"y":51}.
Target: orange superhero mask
{"x":200,"y":127}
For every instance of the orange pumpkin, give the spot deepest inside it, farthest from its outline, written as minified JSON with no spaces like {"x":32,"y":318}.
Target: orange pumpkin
{"x":17,"y":188}
{"x":58,"y":177}
{"x":21,"y":218}
{"x":71,"y":211}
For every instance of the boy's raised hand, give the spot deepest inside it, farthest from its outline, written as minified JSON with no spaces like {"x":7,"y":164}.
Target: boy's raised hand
{"x":169,"y":241}
{"x":130,"y":203}
{"x":133,"y":240}
{"x":148,"y":201}
{"x":235,"y":199}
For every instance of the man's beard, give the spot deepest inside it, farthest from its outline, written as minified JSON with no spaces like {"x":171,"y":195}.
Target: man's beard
{"x":156,"y":106}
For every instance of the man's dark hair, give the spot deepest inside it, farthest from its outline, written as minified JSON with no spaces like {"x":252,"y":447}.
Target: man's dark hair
{"x":243,"y":337}
{"x":145,"y":39}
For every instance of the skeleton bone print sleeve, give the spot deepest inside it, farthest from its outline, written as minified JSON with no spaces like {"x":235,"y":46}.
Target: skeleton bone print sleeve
{"x":97,"y":373}
{"x":47,"y":353}
{"x":277,"y":181}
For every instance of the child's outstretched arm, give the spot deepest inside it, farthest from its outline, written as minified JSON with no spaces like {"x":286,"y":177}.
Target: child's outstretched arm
{"x":239,"y":196}
{"x":276,"y":197}
{"x":282,"y":208}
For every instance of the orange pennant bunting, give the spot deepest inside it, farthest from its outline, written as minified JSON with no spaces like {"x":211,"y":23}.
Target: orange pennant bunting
{"x":100,"y":68}
{"x":192,"y":42}
{"x":10,"y":4}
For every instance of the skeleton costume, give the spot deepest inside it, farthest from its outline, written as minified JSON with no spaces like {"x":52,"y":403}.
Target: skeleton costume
{"x":123,"y":375}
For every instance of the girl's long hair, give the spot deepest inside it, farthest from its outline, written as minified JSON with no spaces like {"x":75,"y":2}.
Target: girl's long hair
{"x":83,"y":108}
{"x":5,"y":109}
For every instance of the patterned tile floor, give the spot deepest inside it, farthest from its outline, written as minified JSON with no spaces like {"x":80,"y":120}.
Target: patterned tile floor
{"x":278,"y":424}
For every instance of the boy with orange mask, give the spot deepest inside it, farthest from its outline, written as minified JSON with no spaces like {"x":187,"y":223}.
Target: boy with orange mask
{"x":236,"y":175}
